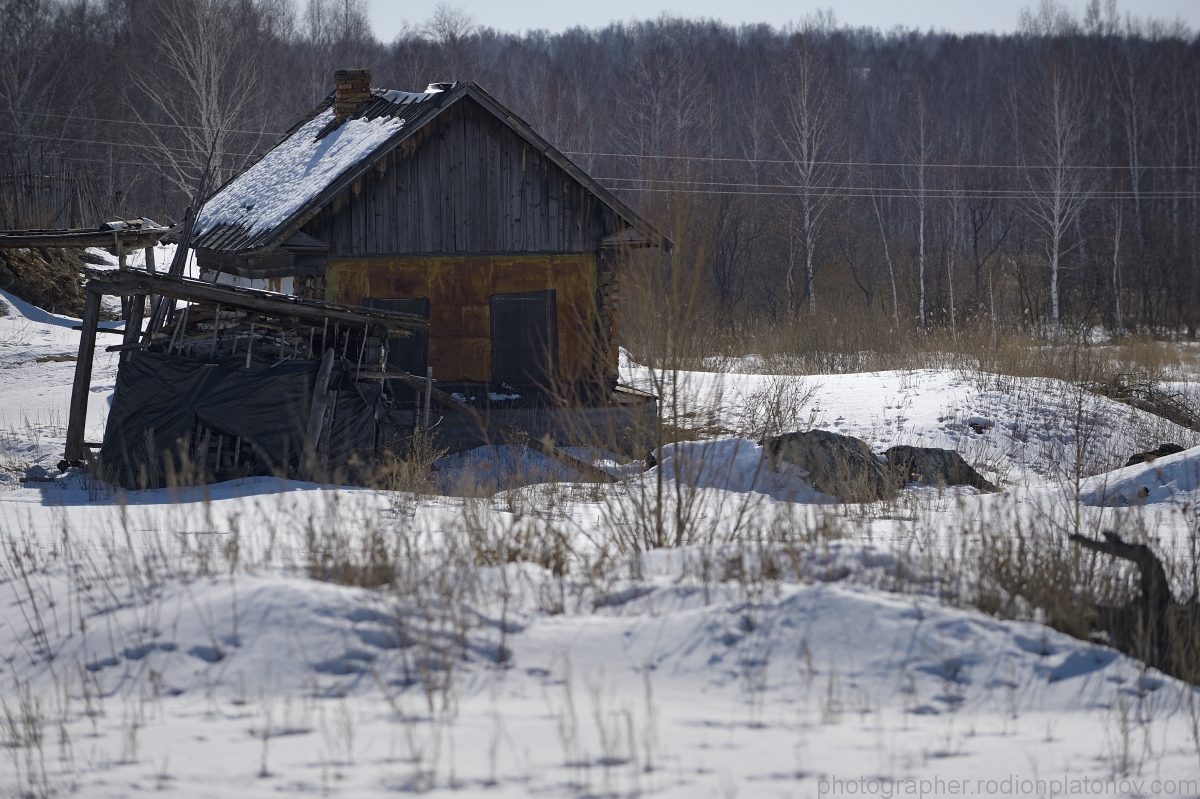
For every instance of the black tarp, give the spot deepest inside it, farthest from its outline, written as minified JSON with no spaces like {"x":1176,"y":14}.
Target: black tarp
{"x":160,"y":399}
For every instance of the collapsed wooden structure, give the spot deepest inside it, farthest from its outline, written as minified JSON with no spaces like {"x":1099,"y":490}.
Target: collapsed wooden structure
{"x":239,"y":382}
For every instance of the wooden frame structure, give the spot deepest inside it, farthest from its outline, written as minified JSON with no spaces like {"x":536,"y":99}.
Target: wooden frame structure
{"x":121,"y":236}
{"x":281,"y":309}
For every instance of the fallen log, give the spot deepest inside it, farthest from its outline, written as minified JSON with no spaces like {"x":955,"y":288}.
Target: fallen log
{"x":1153,"y":627}
{"x":1156,"y":590}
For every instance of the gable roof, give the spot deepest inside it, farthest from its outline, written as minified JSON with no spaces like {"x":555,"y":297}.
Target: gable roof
{"x":264,"y":206}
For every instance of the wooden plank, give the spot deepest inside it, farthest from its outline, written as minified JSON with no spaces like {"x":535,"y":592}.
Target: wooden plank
{"x":393,"y":206}
{"x":503,"y":197}
{"x":316,"y":415}
{"x":553,"y":210}
{"x":356,"y":230}
{"x":133,"y":323}
{"x":458,"y":167}
{"x":379,"y":198}
{"x":366,"y":199}
{"x":271,"y":304}
{"x":529,"y":206}
{"x":473,"y":163}
{"x":449,"y":221}
{"x":492,"y":189}
{"x":81,"y":389}
{"x":130,"y":239}
{"x":439,"y":180}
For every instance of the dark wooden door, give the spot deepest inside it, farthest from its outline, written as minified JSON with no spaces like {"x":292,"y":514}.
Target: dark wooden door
{"x":524,"y":338}
{"x":410,"y":353}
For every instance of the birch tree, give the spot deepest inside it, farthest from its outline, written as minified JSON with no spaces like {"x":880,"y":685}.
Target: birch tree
{"x":918,"y":148}
{"x":205,"y":90}
{"x":807,"y":139}
{"x":1057,"y":188}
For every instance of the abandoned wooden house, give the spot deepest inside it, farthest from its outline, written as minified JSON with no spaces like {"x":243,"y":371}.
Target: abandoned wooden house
{"x":390,"y":242}
{"x":446,"y":205}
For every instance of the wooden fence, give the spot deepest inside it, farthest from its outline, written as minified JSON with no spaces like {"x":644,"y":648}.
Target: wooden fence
{"x":40,"y":193}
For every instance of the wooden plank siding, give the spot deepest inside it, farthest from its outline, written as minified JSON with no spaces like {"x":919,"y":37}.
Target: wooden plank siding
{"x":459,"y":289}
{"x":466,"y":183}
{"x":462,"y":210}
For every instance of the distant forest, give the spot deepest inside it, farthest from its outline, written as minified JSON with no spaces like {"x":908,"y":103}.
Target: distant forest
{"x":1047,"y":180}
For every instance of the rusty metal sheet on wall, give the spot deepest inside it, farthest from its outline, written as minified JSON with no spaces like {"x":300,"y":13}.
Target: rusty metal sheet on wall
{"x":459,"y":289}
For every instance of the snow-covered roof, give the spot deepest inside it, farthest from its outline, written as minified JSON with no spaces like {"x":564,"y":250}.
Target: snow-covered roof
{"x":301,"y":167}
{"x":260,"y":208}
{"x":254,"y":209}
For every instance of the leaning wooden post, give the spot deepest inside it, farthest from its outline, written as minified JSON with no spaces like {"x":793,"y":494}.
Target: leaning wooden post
{"x":133,"y":323}
{"x":425,"y":418}
{"x":83,"y":378}
{"x":135,"y":309}
{"x":122,"y":265}
{"x":150,"y":270}
{"x":316,"y":417}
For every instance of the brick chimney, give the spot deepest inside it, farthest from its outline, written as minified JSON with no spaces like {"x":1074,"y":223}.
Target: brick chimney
{"x":353,"y":88}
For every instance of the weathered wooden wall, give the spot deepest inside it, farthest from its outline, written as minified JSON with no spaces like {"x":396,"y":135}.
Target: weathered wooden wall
{"x":465,"y":183}
{"x":459,"y":289}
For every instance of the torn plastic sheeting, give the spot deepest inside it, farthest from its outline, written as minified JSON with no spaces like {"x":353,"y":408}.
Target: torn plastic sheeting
{"x":159,"y":400}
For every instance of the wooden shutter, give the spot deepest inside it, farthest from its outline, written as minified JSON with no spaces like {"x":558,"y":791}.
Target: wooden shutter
{"x":524,"y":338}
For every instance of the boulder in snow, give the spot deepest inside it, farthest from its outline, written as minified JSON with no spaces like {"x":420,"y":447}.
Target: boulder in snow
{"x":840,"y":466}
{"x":1149,"y":455}
{"x":934,"y":466}
{"x":36,"y":474}
{"x":980,"y":424}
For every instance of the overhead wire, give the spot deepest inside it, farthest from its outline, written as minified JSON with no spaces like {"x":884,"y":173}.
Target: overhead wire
{"x":643,"y":156}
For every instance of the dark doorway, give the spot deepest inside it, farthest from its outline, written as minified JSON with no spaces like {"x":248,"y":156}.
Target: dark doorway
{"x":409,"y":353}
{"x":524,"y":338}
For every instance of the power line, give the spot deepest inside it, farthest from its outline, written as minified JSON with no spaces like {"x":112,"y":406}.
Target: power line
{"x":879,"y":191}
{"x":697,"y":158}
{"x":149,"y":124}
{"x":907,"y":165}
{"x":884,"y":194}
{"x":134,"y":145}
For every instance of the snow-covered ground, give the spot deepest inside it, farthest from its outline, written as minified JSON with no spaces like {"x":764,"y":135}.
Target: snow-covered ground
{"x":533,"y":644}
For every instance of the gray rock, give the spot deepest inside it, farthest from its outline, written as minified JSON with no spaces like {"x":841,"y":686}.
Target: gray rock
{"x":934,"y":466}
{"x":840,"y":466}
{"x":1149,"y":455}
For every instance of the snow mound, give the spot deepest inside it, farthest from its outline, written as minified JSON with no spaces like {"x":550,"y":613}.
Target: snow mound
{"x":734,"y":464}
{"x":1169,"y":479}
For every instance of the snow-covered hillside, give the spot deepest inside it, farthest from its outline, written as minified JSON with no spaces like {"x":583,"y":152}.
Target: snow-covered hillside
{"x":532,"y":644}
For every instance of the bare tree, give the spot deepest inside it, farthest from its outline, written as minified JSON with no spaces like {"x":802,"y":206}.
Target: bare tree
{"x":450,"y":28}
{"x":30,"y":67}
{"x":338,"y":36}
{"x":205,"y":91}
{"x":887,"y":255}
{"x":918,"y":156}
{"x":1057,"y":187}
{"x":807,"y":138}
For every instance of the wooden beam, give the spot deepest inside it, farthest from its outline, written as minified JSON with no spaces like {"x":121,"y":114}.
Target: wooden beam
{"x":129,"y":239}
{"x":316,"y":415}
{"x":133,"y":323}
{"x":83,"y":379}
{"x":265,"y":302}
